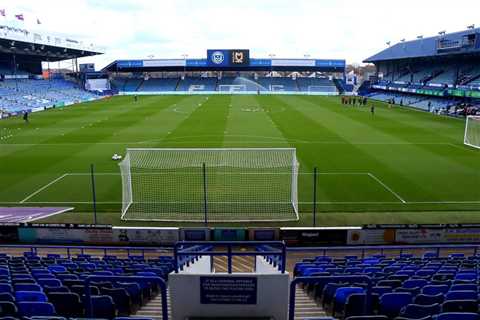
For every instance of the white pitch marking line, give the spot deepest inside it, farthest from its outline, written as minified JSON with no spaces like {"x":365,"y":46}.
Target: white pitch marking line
{"x":44,"y":187}
{"x":387,"y":187}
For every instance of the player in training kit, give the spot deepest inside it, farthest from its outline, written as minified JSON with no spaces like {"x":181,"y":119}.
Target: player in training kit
{"x":25,"y":117}
{"x":372,"y":110}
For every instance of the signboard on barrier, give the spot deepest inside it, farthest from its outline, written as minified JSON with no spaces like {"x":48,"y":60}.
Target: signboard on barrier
{"x":228,"y":290}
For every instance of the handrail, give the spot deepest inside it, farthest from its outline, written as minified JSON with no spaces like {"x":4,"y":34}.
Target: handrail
{"x":328,"y":279}
{"x":383,"y":248}
{"x":182,"y":248}
{"x":34,"y":248}
{"x":157,"y":280}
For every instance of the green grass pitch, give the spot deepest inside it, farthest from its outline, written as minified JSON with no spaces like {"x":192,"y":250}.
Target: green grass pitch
{"x":399,"y":166}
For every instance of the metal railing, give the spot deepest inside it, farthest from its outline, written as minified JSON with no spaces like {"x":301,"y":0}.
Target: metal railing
{"x":193,"y":249}
{"x":69,"y":249}
{"x":398,"y":249}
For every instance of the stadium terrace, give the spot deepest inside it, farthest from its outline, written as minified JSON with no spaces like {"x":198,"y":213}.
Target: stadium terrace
{"x":239,"y":187}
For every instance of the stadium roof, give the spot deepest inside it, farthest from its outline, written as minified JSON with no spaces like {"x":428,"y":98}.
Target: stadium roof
{"x":179,"y":65}
{"x":43,"y":47}
{"x":463,"y":42}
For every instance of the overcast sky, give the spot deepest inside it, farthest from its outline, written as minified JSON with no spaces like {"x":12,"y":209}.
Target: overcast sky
{"x":324,"y":29}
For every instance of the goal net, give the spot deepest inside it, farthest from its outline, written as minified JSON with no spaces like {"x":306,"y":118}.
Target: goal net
{"x":232,"y":88}
{"x":241,"y":184}
{"x":325,"y":90}
{"x":472,"y":132}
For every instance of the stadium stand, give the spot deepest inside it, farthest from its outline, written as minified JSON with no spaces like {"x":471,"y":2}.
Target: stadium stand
{"x":55,"y":285}
{"x":231,"y":84}
{"x":154,"y":85}
{"x":424,"y":77}
{"x":398,"y":287}
{"x":26,"y":95}
{"x":316,"y":85}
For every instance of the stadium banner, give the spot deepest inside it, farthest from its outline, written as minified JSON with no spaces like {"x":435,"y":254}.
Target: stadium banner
{"x":164,"y":63}
{"x":371,"y":236}
{"x":315,"y":236}
{"x":125,"y":64}
{"x":65,"y":234}
{"x":8,"y":233}
{"x":293,"y":63}
{"x":197,"y":63}
{"x":331,"y":63}
{"x":260,"y":63}
{"x":222,"y":234}
{"x":430,"y":92}
{"x":264,"y":234}
{"x":145,"y":235}
{"x":421,"y":235}
{"x":195,"y":234}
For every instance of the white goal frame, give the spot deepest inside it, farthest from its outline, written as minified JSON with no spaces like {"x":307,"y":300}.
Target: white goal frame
{"x":232,"y":87}
{"x":269,"y":191}
{"x":468,"y":126}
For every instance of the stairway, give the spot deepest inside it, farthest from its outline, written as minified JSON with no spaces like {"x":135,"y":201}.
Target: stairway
{"x":306,"y":307}
{"x":153,"y":309}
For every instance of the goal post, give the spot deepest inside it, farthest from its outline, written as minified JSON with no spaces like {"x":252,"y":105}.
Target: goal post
{"x":224,"y":184}
{"x":472,"y":132}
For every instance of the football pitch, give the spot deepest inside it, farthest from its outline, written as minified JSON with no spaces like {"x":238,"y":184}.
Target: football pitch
{"x":397,"y":166}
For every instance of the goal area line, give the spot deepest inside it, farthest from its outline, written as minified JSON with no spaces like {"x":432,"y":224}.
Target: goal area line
{"x":401,"y":200}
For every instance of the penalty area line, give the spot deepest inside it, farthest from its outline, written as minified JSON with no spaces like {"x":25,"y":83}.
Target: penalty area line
{"x":44,"y":187}
{"x":387,"y":187}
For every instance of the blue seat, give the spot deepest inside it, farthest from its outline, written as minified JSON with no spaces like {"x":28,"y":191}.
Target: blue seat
{"x":30,"y":296}
{"x":458,"y":316}
{"x":29,"y":309}
{"x":57,"y":268}
{"x":8,"y":309}
{"x":27,"y":287}
{"x":466,"y":276}
{"x":417,"y":311}
{"x":49,"y":282}
{"x":460,"y":306}
{"x":134,"y":291}
{"x":426,"y":299}
{"x":329,"y":293}
{"x":461,"y":295}
{"x":4,"y":287}
{"x":435,"y":289}
{"x":464,"y":287}
{"x":67,"y":276}
{"x":341,"y":296}
{"x":67,"y":304}
{"x":6,"y":296}
{"x":392,"y":303}
{"x":356,"y":305}
{"x":415,"y":283}
{"x":103,"y":307}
